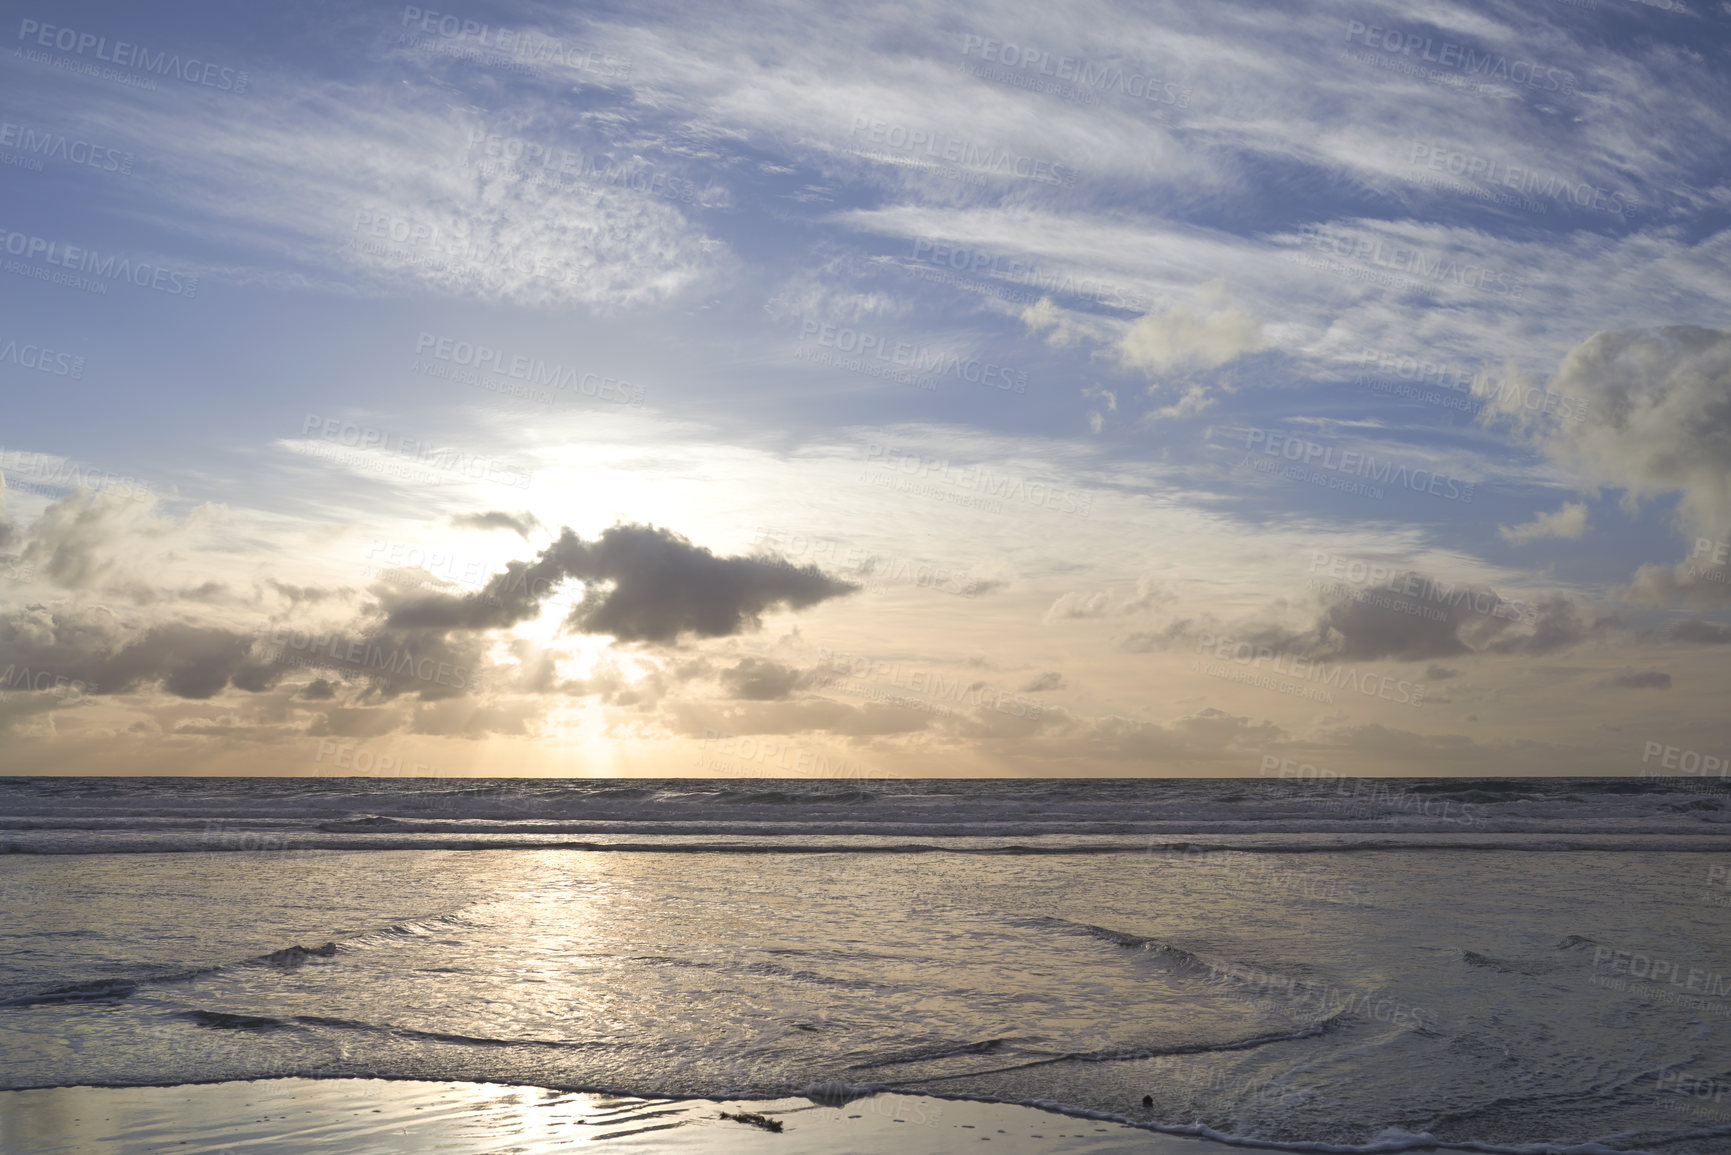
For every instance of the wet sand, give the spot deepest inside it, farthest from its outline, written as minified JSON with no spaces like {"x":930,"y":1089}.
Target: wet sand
{"x":375,"y":1115}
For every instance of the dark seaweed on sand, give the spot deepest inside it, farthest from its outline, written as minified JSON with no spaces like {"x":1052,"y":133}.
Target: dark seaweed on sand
{"x":755,"y":1120}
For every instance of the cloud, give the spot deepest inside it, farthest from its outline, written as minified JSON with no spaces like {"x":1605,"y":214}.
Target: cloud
{"x":1686,"y":585}
{"x":870,"y":720}
{"x":95,"y":647}
{"x":96,"y":539}
{"x":759,"y":680}
{"x":518,"y":523}
{"x":1194,"y":401}
{"x":1640,"y":680}
{"x":1182,"y":336}
{"x":1060,"y":740}
{"x":1570,"y":521}
{"x":1439,"y":673}
{"x":1150,"y":595}
{"x":1066,"y":328}
{"x":1051,"y":680}
{"x":642,"y":584}
{"x":1426,"y":619}
{"x":1700,"y":632}
{"x":1657,"y":418}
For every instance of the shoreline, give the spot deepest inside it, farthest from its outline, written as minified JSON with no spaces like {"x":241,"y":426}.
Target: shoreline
{"x":293,"y":1114}
{"x":299,"y":1113}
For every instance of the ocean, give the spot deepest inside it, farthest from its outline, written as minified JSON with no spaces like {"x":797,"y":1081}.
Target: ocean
{"x":1324,"y":965}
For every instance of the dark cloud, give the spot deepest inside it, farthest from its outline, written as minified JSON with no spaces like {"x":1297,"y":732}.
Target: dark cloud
{"x":759,"y":680}
{"x":1640,"y":680}
{"x":1439,"y":673}
{"x":319,"y":690}
{"x":1382,"y":624}
{"x":518,"y":523}
{"x":310,"y":595}
{"x":1556,"y":625}
{"x":1409,"y":619}
{"x":429,"y":663}
{"x":642,"y":584}
{"x":1051,"y":680}
{"x":1701,"y":632}
{"x":94,"y":647}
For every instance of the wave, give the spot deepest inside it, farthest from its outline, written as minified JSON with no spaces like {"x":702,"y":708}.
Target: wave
{"x":1129,"y":1054}
{"x":94,"y":991}
{"x":760,"y":970}
{"x":287,"y":958}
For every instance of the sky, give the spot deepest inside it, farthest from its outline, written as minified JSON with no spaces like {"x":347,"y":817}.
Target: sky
{"x":865,"y":391}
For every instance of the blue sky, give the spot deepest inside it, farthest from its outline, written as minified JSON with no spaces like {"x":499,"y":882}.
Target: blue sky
{"x":1119,"y":389}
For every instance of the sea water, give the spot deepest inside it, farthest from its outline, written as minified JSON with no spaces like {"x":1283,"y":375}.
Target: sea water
{"x":1528,"y":965}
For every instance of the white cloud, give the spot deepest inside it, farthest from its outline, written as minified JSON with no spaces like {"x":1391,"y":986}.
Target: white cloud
{"x":1184,"y":336}
{"x":1570,"y":521}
